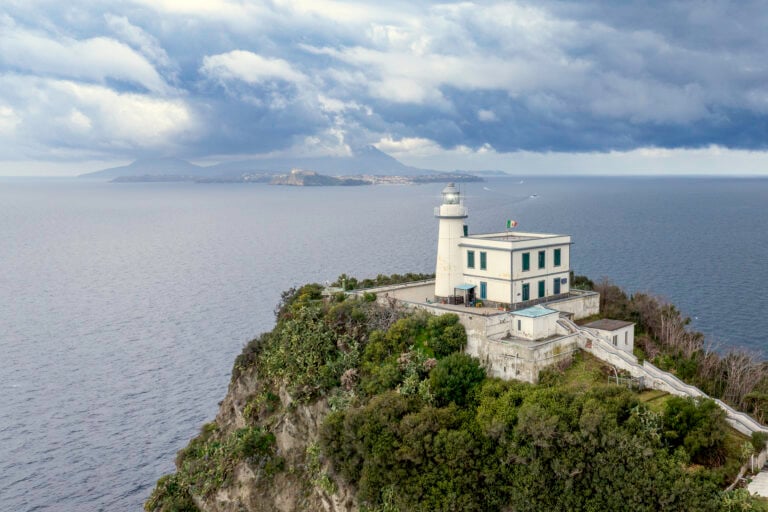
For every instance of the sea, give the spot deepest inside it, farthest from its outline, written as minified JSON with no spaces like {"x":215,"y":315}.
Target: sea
{"x":123,"y":306}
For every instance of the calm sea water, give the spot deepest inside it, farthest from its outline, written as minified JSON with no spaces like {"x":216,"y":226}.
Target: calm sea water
{"x":122,"y":306}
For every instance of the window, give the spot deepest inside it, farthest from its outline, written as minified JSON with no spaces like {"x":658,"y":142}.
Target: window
{"x":615,"y":339}
{"x":526,"y":261}
{"x":557,"y":257}
{"x":483,"y":290}
{"x":466,"y":230}
{"x":542,"y":288}
{"x":556,"y":286}
{"x":542,"y":259}
{"x":483,"y":261}
{"x":519,"y":325}
{"x":470,"y":259}
{"x":625,"y":337}
{"x":526,"y":292}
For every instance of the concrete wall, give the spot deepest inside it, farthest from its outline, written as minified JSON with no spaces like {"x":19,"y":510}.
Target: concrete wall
{"x":515,"y":361}
{"x":583,"y":305}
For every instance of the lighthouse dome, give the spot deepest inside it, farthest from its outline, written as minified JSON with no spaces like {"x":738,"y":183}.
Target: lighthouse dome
{"x":451,"y":194}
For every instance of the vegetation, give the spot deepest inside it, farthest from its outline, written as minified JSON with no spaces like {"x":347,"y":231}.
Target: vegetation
{"x":486,"y":444}
{"x":664,"y":338}
{"x":208,"y":463}
{"x":415,"y":424}
{"x":352,"y":283}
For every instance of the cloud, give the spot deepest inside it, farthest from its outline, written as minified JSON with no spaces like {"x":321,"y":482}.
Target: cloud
{"x":146,"y":43}
{"x":249,"y":67}
{"x":486,"y":116}
{"x":464,"y":79}
{"x":96,"y":59}
{"x":8,"y":120}
{"x":53,"y":116}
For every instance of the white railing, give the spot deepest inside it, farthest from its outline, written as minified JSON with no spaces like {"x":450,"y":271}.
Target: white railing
{"x":665,"y":381}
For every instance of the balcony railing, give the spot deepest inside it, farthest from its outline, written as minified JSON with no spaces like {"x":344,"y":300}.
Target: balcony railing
{"x":460,"y":211}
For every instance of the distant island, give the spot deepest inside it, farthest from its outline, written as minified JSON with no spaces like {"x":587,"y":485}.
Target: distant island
{"x":365,"y":166}
{"x":304,"y":178}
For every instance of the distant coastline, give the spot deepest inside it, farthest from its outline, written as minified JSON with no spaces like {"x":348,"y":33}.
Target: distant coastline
{"x":303,"y":178}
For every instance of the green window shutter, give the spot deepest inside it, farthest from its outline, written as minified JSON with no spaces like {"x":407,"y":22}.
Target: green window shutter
{"x":483,"y":290}
{"x":526,"y":261}
{"x":542,"y":259}
{"x":526,"y":292}
{"x":470,"y":259}
{"x":466,"y":230}
{"x":557,"y":257}
{"x":541,"y":288}
{"x":483,"y":261}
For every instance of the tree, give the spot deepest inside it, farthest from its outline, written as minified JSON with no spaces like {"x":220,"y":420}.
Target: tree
{"x":454,"y":377}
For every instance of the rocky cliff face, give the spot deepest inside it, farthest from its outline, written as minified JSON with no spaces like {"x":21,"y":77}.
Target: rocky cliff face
{"x":303,"y":483}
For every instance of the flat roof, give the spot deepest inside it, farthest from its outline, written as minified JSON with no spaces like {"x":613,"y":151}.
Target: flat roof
{"x":535,"y":312}
{"x":511,"y":236}
{"x":606,"y":324}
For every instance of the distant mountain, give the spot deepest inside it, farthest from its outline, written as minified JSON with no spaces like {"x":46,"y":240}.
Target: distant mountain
{"x":152,"y":167}
{"x":367,"y":160}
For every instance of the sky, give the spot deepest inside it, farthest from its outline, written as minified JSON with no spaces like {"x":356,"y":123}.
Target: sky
{"x":550,"y":87}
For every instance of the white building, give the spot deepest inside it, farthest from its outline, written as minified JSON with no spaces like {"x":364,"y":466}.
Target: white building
{"x":534,"y":323}
{"x":510,"y":269}
{"x":618,"y":333}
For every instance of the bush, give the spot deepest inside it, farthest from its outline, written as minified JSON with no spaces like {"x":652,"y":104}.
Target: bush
{"x":445,"y":334}
{"x":758,"y":441}
{"x":208,"y":464}
{"x":454,"y":377}
{"x":696,"y":425}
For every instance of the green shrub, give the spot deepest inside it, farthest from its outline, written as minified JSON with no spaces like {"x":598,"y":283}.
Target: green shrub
{"x":758,"y":441}
{"x":454,"y":377}
{"x":208,"y":464}
{"x":445,"y":335}
{"x":697,"y":425}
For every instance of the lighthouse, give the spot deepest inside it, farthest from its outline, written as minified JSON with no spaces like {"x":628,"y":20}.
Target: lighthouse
{"x":449,"y":269}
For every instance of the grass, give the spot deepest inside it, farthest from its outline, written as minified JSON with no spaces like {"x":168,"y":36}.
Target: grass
{"x":585,"y":371}
{"x":654,"y":399}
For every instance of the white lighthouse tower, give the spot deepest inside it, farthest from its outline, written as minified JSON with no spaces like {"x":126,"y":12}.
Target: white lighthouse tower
{"x":449,"y":270}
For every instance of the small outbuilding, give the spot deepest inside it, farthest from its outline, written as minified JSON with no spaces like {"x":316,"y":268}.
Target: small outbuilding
{"x":618,"y":333}
{"x":534,"y":323}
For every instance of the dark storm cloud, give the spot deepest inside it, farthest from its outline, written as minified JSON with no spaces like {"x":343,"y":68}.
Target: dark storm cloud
{"x":221,"y":77}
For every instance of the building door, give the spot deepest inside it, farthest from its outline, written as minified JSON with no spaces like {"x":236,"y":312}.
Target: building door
{"x":483,"y":290}
{"x":556,"y":287}
{"x":526,"y":292}
{"x":541,"y":289}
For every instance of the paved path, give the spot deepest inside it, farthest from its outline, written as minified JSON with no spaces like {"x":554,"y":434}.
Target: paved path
{"x":759,"y":484}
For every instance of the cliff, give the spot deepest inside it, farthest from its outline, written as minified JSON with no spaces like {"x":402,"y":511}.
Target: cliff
{"x":298,"y":485}
{"x":349,"y":404}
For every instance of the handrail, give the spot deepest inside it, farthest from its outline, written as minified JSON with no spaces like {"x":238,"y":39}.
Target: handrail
{"x":741,"y":421}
